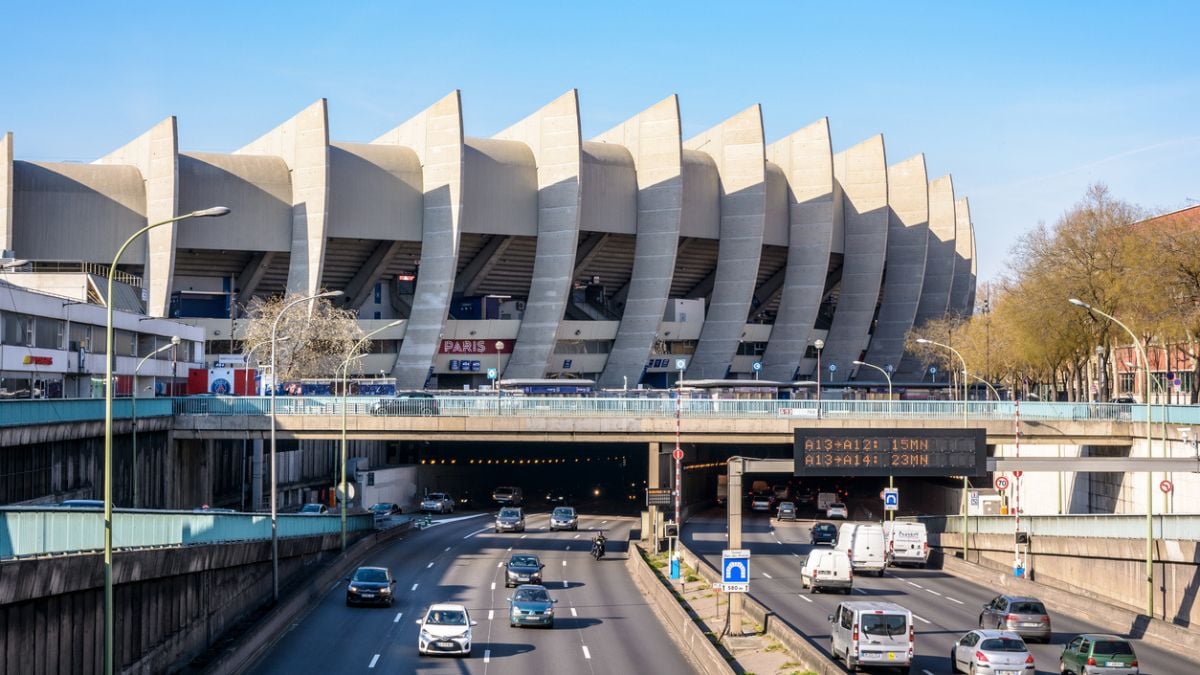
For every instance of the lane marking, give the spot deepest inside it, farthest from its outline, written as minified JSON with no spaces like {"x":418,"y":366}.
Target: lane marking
{"x":491,"y":614}
{"x":926,"y":672}
{"x":510,"y":548}
{"x":415,"y":586}
{"x":576,"y":536}
{"x":573,"y":612}
{"x":564,"y":583}
{"x":921,"y":619}
{"x":429,"y":565}
{"x":493,"y":585}
{"x":398,"y":615}
{"x":568,"y":548}
{"x":475,"y":533}
{"x":915,"y":585}
{"x":522,"y":536}
{"x":564,"y":563}
{"x":487,"y":655}
{"x":955,"y":600}
{"x":930,"y":590}
{"x":603,"y":522}
{"x":445,"y":521}
{"x":586,"y":653}
{"x":335,"y":585}
{"x":374,"y":660}
{"x":805,"y":598}
{"x":795,"y":555}
{"x":859,"y":590}
{"x":447,"y":548}
{"x":766,"y":575}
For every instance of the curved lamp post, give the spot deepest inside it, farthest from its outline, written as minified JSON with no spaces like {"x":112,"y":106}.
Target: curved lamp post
{"x":1149,"y":445}
{"x":274,"y":387}
{"x":109,"y":358}
{"x":966,"y":483}
{"x":174,"y":342}
{"x":989,"y":386}
{"x":819,"y":344}
{"x":354,"y":354}
{"x":891,"y":478}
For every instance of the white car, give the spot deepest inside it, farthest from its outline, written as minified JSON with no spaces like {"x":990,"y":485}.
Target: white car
{"x":437,"y":501}
{"x":761,"y":502}
{"x":446,"y":629}
{"x":837,"y":510}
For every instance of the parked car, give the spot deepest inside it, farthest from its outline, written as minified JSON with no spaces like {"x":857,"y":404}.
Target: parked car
{"x":370,"y":585}
{"x":314,"y":510}
{"x":1098,"y":653}
{"x":531,"y":605}
{"x":445,"y":629}
{"x":510,"y":496}
{"x":825,"y":569}
{"x":823,"y":533}
{"x":1023,"y":615}
{"x":510,"y":519}
{"x":407,"y":403}
{"x":991,"y":651}
{"x":837,"y":510}
{"x":564,"y":518}
{"x":437,"y":501}
{"x":865,"y":634}
{"x":787,"y":511}
{"x":761,"y":501}
{"x":523,"y":568}
{"x":385,"y":509}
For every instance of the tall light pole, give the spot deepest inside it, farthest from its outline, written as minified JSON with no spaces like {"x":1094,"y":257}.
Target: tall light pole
{"x":966,"y":482}
{"x":989,"y":386}
{"x":819,"y":344}
{"x":496,"y":382}
{"x":891,"y":478}
{"x":274,"y":475}
{"x":1149,"y":444}
{"x":250,"y":352}
{"x":214,"y":212}
{"x":354,"y":354}
{"x":174,"y":341}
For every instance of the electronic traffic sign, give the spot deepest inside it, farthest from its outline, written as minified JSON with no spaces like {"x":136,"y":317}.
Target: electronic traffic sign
{"x":890,"y":452}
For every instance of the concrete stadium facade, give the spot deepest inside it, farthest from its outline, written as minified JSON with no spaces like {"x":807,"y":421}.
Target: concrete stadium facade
{"x":535,"y":250}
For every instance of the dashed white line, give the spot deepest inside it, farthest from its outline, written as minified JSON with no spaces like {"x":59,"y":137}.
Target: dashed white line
{"x":564,"y":563}
{"x":767,"y":575}
{"x":415,"y":586}
{"x":398,"y":615}
{"x":926,"y":672}
{"x":795,"y":555}
{"x":921,"y":619}
{"x":500,"y":564}
{"x":493,"y":585}
{"x":374,"y":660}
{"x":522,"y":536}
{"x":576,"y":536}
{"x":915,"y":585}
{"x":491,"y":614}
{"x":859,"y":590}
{"x":955,"y":600}
{"x":805,"y":598}
{"x":586,"y":653}
{"x":573,"y":612}
{"x":603,"y":522}
{"x":335,"y":585}
{"x":568,"y":548}
{"x":565,"y":583}
{"x":930,"y":590}
{"x":447,"y":548}
{"x":429,"y":565}
{"x":510,"y":548}
{"x":487,"y":655}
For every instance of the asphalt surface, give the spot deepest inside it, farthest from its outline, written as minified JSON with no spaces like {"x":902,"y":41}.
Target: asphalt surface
{"x":945,"y":607}
{"x":602,"y":623}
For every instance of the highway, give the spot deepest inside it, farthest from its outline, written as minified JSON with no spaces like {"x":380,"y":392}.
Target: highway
{"x":945,"y":607}
{"x":602,"y":624}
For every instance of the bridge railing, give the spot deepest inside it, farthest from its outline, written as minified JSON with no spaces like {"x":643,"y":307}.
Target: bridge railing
{"x":1182,"y":527}
{"x":27,"y":412}
{"x":46,"y":531}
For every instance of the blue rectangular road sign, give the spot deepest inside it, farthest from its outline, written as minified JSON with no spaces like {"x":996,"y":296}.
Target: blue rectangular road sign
{"x":891,"y":499}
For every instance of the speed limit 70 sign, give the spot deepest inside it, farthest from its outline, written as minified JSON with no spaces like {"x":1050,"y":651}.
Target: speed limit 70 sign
{"x":1001,"y":483}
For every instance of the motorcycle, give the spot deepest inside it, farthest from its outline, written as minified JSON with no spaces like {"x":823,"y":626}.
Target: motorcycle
{"x":598,"y":547}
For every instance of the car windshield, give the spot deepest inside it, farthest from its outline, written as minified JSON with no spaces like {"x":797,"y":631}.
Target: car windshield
{"x":889,"y":625}
{"x":523,"y":561}
{"x":311,"y":508}
{"x":381,"y":507}
{"x":531,"y":595}
{"x":504,"y":491}
{"x":825,"y":528}
{"x":447,"y":617}
{"x":786,"y":506}
{"x":510,"y":513}
{"x":1002,"y":645}
{"x":837,"y":505}
{"x":1112,"y":648}
{"x":436,"y":496}
{"x":1027,"y":608}
{"x":563,"y":512}
{"x":371,"y":575}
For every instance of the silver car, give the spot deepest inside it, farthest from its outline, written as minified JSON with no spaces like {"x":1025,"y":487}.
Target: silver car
{"x":991,"y":652}
{"x":1019,"y":614}
{"x":564,"y":518}
{"x":437,"y":501}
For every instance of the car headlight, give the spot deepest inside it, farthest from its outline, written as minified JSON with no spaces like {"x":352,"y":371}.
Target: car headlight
{"x":385,"y":590}
{"x":425,"y":635}
{"x":353,"y":588}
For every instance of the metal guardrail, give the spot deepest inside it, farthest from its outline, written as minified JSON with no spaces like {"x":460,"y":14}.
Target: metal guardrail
{"x":27,"y":412}
{"x":28,"y":531}
{"x":1181,"y":527}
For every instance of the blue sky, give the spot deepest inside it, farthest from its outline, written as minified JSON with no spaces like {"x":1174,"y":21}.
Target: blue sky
{"x":1025,"y":103}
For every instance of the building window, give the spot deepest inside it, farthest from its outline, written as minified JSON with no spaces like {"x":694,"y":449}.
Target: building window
{"x":378,"y":293}
{"x":124,"y":343}
{"x":80,"y":337}
{"x":18,"y":329}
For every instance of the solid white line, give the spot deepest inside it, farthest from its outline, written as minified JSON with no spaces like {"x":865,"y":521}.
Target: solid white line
{"x":398,"y":615}
{"x":475,"y":533}
{"x":915,"y":585}
{"x":586,"y":653}
{"x":920,"y":619}
{"x":487,"y":655}
{"x":953,"y":600}
{"x":491,"y":614}
{"x":415,"y":586}
{"x":805,"y":598}
{"x":374,"y":660}
{"x":493,"y":585}
{"x":429,"y":565}
{"x":573,"y":612}
{"x":766,"y":575}
{"x":930,"y":590}
{"x":859,"y":590}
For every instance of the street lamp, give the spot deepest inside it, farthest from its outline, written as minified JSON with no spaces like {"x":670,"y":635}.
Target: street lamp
{"x":174,"y":341}
{"x":274,"y":387}
{"x":1149,"y":444}
{"x":891,"y":478}
{"x":496,"y":382}
{"x":250,"y":352}
{"x":819,"y":344}
{"x":966,"y":482}
{"x":989,"y":385}
{"x":345,"y":496}
{"x":214,"y":212}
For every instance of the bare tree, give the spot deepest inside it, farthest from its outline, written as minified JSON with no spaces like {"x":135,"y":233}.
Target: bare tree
{"x":320,"y":336}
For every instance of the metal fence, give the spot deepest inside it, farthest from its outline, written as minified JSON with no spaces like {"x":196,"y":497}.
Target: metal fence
{"x":25,"y":412}
{"x":1100,"y":525}
{"x":46,"y":531}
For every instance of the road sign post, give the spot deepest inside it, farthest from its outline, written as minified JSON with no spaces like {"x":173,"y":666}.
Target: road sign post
{"x":735,"y":570}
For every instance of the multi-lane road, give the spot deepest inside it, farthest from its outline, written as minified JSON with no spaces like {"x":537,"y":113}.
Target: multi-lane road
{"x":945,"y":607}
{"x":602,"y":623}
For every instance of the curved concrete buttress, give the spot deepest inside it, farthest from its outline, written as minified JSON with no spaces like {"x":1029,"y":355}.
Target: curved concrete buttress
{"x":806,"y":158}
{"x":939,"y":266}
{"x":862,"y":173}
{"x":6,"y":192}
{"x":907,"y":247}
{"x":436,"y":135}
{"x":962,"y":289}
{"x":738,"y":148}
{"x":156,"y":155}
{"x":553,"y":134}
{"x":654,"y":138}
{"x":303,"y":143}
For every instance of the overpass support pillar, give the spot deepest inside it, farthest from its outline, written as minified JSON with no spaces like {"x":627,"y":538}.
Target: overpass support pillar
{"x":654,"y":474}
{"x":256,"y":476}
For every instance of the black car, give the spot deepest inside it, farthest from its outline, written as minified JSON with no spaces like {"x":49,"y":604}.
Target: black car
{"x":370,"y":585}
{"x":523,"y":569}
{"x":408,"y":403}
{"x":823,"y":533}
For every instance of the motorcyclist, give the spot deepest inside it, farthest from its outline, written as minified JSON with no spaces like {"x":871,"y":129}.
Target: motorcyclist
{"x":598,"y":545}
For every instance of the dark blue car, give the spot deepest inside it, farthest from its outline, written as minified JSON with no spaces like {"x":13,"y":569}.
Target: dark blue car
{"x":823,"y":533}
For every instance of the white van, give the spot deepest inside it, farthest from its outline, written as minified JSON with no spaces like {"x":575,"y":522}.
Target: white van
{"x":865,"y":546}
{"x":907,"y":543}
{"x":826,"y":569}
{"x":865,"y":634}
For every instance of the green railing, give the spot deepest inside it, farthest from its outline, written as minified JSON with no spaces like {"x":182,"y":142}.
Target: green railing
{"x":1104,"y":525}
{"x":27,"y":412}
{"x":28,"y":531}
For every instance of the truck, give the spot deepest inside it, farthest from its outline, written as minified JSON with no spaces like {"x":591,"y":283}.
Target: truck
{"x":722,"y":489}
{"x":824,"y":499}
